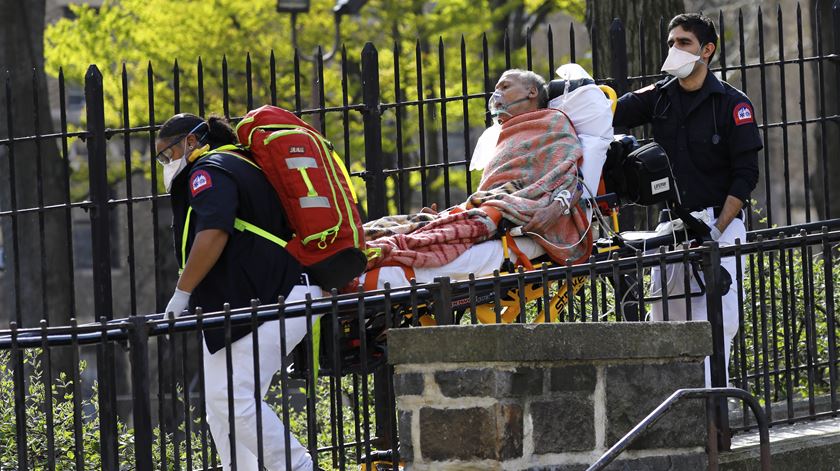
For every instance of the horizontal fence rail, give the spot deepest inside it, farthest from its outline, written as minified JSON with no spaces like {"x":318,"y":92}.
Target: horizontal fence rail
{"x":91,"y":378}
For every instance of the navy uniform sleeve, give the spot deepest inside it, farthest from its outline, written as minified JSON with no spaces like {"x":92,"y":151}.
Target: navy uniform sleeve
{"x":744,"y":144}
{"x":634,"y":108}
{"x":214,"y":199}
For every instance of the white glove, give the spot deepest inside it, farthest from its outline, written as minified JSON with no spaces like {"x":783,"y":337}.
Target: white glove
{"x":179,"y":302}
{"x":714,"y":232}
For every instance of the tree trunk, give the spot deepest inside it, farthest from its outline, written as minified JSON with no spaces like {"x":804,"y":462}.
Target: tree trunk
{"x":43,"y":270}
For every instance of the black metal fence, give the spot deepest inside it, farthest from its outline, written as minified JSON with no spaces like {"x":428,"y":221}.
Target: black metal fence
{"x":415,"y":147}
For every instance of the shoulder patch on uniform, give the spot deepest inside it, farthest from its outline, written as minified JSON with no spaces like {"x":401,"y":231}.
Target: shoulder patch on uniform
{"x":645,"y":89}
{"x":200,"y":181}
{"x":742,"y":114}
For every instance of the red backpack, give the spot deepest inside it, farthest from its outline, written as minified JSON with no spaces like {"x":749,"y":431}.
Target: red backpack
{"x":315,"y":191}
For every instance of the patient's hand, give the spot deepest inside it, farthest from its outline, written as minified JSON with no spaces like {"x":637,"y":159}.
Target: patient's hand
{"x":432,"y":210}
{"x":545,"y":218}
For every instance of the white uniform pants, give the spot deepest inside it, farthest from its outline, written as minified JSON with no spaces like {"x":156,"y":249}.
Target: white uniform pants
{"x":676,"y":285}
{"x":245,"y":422}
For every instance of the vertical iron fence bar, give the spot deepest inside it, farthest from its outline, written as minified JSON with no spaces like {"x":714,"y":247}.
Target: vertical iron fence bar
{"x":297,"y":97}
{"x":783,"y":86}
{"x":162,"y":343}
{"x":471,"y":288}
{"x":546,"y":294}
{"x":743,"y":68}
{"x":129,"y":192}
{"x":823,"y":137}
{"x":272,"y":70}
{"x":372,"y":115}
{"x":642,"y":53}
{"x":199,"y":335}
{"x":593,"y":293}
{"x":765,"y":348}
{"x":357,"y":421}
{"x":828,"y":276}
{"x":506,"y":45}
{"x":176,"y":87}
{"x":640,"y":286}
{"x":20,"y":398}
{"x":249,"y":91}
{"x":78,"y":438}
{"x":717,"y":361}
{"x":444,"y":128}
{"x":138,"y":337}
{"x":318,"y":70}
{"x":284,"y":379}
{"x":549,"y":37}
{"x":803,"y":113}
{"x":618,"y":65}
{"x":335,"y":398}
{"x":572,"y":55}
{"x":616,"y":283}
{"x":365,"y":401}
{"x":255,"y":352}
{"x":774,"y":324}
{"x":466,"y":110}
{"x":663,"y":37}
{"x":663,"y":283}
{"x":528,"y":59}
{"x":231,"y":418}
{"x":336,"y":372}
{"x":185,"y":384}
{"x":421,"y":122}
{"x":173,"y":393}
{"x":108,"y":446}
{"x":65,"y":152}
{"x":48,"y":396}
{"x":345,"y":110}
{"x":722,"y":55}
{"x":153,"y":171}
{"x":391,"y":397}
{"x":741,"y":337}
{"x":225,"y":87}
{"x":810,"y":327}
{"x":520,"y":286}
{"x":787,"y":307}
{"x":200,"y":85}
{"x":488,"y":86}
{"x":39,"y":186}
{"x":402,"y":184}
{"x":311,"y":386}
{"x":497,"y":296}
{"x":13,"y":201}
{"x":100,"y":239}
{"x":765,"y":131}
{"x":687,"y":276}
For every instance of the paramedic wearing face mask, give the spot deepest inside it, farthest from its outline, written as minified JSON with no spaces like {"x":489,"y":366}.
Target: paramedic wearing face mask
{"x":708,"y":129}
{"x":212,"y":183}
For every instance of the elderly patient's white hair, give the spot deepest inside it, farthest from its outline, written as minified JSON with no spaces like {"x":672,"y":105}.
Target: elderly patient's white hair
{"x":532,"y":79}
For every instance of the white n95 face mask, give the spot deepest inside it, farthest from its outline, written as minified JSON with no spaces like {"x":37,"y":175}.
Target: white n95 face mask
{"x":171,"y":170}
{"x":680,"y":63}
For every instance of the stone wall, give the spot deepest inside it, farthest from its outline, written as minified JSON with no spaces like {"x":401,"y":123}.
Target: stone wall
{"x":547,"y":397}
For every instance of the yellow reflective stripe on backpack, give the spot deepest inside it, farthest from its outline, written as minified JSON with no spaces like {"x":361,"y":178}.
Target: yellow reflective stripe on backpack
{"x":242,"y":226}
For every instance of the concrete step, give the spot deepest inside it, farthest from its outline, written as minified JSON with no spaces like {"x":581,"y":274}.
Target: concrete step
{"x":810,"y":445}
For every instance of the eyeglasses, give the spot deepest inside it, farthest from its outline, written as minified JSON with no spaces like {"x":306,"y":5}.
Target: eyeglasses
{"x":165,"y":155}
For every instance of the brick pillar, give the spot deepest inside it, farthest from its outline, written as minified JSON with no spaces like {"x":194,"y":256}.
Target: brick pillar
{"x":546,"y":397}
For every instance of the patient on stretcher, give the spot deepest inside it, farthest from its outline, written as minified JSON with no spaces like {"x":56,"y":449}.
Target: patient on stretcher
{"x":531,"y":181}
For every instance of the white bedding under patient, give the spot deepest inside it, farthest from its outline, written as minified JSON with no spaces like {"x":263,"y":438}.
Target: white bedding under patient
{"x":481,"y":259}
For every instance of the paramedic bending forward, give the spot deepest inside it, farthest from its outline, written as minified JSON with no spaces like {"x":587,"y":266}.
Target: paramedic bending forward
{"x":708,"y":130}
{"x":212,"y":183}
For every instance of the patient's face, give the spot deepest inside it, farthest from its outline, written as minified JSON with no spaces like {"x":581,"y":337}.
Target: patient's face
{"x":515,"y":95}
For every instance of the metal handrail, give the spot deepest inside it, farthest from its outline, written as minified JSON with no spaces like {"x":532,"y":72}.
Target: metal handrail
{"x":692,"y":393}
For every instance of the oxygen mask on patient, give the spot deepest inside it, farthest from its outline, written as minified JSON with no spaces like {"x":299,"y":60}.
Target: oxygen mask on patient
{"x":497,"y":105}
